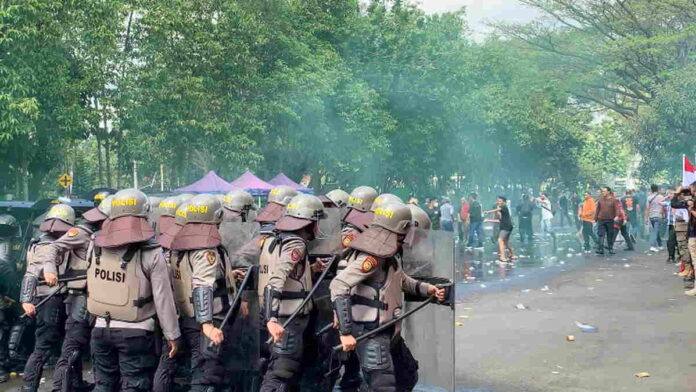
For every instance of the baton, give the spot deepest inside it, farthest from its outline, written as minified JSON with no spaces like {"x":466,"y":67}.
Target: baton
{"x":308,"y":297}
{"x":66,"y":279}
{"x":324,"y":329}
{"x":46,"y":298}
{"x":388,"y":324}
{"x":231,"y":315}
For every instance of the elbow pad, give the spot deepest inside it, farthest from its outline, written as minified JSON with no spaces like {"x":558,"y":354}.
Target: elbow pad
{"x":203,"y":304}
{"x":269,"y":295}
{"x":343,"y":305}
{"x":29,"y":284}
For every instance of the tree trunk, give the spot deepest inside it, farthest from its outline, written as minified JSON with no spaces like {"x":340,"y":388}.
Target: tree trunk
{"x":24,"y":172}
{"x":107,"y":158}
{"x":118,"y":162}
{"x":100,"y":179}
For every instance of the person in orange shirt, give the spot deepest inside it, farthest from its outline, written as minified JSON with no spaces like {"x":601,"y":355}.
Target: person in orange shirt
{"x":586,"y":213}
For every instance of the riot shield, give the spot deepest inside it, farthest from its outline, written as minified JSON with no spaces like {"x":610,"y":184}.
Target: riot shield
{"x":243,"y":356}
{"x":241,"y":242}
{"x":429,"y":333}
{"x":328,"y":237}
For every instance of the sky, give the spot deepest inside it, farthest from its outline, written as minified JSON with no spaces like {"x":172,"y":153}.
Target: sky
{"x":479,"y":11}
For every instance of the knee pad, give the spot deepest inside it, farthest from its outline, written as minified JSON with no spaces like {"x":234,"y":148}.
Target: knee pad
{"x":375,"y":354}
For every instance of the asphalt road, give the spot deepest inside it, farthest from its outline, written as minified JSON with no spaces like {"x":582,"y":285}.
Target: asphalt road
{"x":645,"y":322}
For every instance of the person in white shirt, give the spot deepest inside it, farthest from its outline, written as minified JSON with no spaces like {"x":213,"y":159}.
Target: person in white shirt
{"x":544,"y":204}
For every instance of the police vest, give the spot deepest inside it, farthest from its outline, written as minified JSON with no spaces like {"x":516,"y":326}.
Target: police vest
{"x":378,"y":298}
{"x":182,"y":272}
{"x":298,"y":282}
{"x":34,"y":246}
{"x":77,"y":265}
{"x":118,"y":288}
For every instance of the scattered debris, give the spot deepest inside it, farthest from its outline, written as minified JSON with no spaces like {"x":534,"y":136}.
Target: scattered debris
{"x":555,"y":372}
{"x":627,"y":265}
{"x":458,"y":324}
{"x":586,"y":327}
{"x":483,"y":286}
{"x":521,"y":307}
{"x":599,"y":280}
{"x":463,"y":317}
{"x":545,"y":288}
{"x":570,"y":338}
{"x":642,"y":374}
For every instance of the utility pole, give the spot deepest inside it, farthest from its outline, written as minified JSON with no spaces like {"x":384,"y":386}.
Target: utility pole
{"x":135,"y":174}
{"x":161,"y":177}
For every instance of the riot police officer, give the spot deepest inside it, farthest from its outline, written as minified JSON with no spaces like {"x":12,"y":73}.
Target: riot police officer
{"x":9,"y":254}
{"x":128,"y":285}
{"x":236,"y":206}
{"x":368,"y":293}
{"x":167,"y":228}
{"x":50,"y":318}
{"x":420,"y":218}
{"x":99,"y":197}
{"x":66,"y":257}
{"x":278,"y":198}
{"x":358,"y":216}
{"x":202,"y":287}
{"x":285,"y":277}
{"x":337,"y":198}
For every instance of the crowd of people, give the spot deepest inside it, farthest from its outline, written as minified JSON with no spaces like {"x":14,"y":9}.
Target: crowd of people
{"x":659,"y":216}
{"x":136,"y":276}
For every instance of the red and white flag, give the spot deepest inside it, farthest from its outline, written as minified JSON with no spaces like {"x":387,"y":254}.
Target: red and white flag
{"x":688,"y":172}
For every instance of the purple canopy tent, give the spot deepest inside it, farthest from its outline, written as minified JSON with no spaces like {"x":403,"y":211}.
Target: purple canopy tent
{"x":252,"y":184}
{"x":210,"y":183}
{"x":282,"y":179}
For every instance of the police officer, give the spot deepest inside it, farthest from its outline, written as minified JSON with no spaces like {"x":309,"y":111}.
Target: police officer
{"x":67,"y":257}
{"x":385,"y":198}
{"x":358,"y":216}
{"x":202,"y":287}
{"x":128,"y":285}
{"x":99,"y":197}
{"x":278,"y":198}
{"x":368,"y":293}
{"x":337,"y":198}
{"x":285,"y":277}
{"x":167,"y":228}
{"x":50,"y":318}
{"x":9,"y":255}
{"x":236,"y":206}
{"x":420,"y":218}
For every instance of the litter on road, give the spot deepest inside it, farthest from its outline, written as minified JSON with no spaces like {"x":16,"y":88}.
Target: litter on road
{"x":586,"y":327}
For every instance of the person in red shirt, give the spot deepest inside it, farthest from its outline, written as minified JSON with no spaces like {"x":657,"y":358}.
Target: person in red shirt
{"x":463,"y":220}
{"x":621,"y":224}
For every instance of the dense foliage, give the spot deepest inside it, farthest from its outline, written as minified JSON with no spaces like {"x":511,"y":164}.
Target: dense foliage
{"x":350,"y":92}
